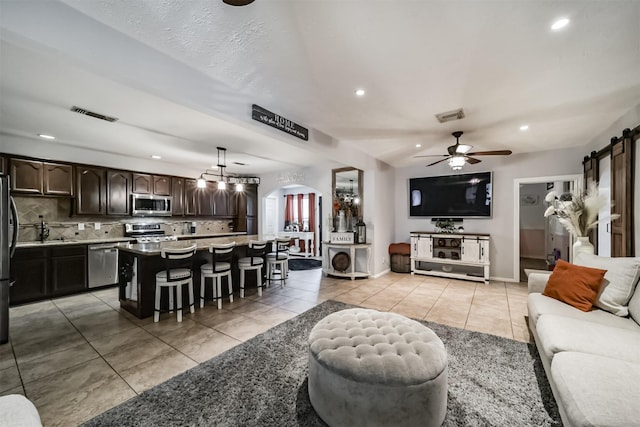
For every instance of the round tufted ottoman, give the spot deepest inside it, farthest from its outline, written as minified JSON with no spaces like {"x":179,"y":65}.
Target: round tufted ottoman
{"x":376,"y":369}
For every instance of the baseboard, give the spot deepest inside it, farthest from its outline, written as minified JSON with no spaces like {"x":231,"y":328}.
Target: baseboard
{"x":504,"y":279}
{"x":382,"y":273}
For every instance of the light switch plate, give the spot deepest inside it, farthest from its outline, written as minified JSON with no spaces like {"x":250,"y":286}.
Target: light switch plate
{"x":97,"y":226}
{"x":80,"y":226}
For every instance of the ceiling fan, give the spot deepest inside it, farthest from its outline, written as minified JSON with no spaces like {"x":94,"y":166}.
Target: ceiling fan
{"x":459,"y":154}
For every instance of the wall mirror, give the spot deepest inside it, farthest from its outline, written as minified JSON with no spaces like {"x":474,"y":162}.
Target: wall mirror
{"x":347,"y":192}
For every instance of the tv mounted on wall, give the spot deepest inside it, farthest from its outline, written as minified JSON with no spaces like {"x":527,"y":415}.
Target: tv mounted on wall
{"x":465,"y":195}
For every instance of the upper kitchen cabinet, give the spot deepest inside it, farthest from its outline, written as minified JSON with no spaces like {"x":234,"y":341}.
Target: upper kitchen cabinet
{"x":190,"y":202}
{"x":91,"y":191}
{"x":204,"y":198}
{"x":41,"y":178}
{"x":3,"y":166}
{"x":252,"y":200}
{"x":118,"y":184}
{"x":161,"y":185}
{"x":220,"y":202}
{"x":151,"y":184}
{"x":177,"y":196}
{"x":58,"y":179}
{"x":142,"y":184}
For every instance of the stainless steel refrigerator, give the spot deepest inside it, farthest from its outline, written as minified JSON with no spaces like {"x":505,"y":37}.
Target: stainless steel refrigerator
{"x":8,"y":239}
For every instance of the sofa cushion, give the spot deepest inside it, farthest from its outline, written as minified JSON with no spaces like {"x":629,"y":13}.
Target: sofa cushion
{"x":634,"y":305}
{"x":597,"y":390}
{"x":539,"y":305}
{"x":557,"y":334}
{"x":619,"y":281}
{"x":575,"y":285}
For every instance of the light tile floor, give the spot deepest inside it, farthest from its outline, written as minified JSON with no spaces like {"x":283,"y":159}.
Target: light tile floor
{"x":77,"y":356}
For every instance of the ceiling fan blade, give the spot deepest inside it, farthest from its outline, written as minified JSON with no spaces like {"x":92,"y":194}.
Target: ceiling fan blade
{"x":435,"y":163}
{"x":471,"y":160}
{"x":491,"y":153}
{"x":432,"y":155}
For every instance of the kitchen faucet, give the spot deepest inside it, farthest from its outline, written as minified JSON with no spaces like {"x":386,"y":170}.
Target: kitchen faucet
{"x":44,"y":231}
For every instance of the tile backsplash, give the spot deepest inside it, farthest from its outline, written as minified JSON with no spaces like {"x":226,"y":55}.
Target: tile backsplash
{"x":56,"y":211}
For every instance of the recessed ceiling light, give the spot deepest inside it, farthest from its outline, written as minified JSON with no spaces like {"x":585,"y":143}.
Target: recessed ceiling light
{"x":524,"y":127}
{"x":560,"y":23}
{"x":418,"y":145}
{"x":155,"y":156}
{"x":360,"y":92}
{"x":44,"y":136}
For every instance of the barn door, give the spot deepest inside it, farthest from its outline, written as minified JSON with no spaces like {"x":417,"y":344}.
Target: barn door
{"x":622,"y":194}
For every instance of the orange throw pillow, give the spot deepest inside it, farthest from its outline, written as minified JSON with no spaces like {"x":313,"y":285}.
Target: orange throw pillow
{"x":575,"y":285}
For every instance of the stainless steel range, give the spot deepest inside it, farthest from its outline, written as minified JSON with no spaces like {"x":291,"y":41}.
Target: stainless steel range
{"x":147,"y":232}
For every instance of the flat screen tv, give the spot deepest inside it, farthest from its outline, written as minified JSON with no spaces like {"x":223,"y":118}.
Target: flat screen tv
{"x":450,"y":196}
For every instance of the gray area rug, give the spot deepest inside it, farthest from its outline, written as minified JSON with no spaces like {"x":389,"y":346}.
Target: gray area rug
{"x":493,"y":381}
{"x":296,"y":264}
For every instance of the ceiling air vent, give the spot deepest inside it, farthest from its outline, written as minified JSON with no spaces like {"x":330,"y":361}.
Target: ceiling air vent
{"x":92,"y":114}
{"x":450,"y":116}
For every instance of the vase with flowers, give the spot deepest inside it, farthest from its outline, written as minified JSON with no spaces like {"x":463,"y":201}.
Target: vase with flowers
{"x":578,"y":213}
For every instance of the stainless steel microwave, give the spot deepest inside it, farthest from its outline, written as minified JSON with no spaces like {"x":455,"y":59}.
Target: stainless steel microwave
{"x":150,"y":205}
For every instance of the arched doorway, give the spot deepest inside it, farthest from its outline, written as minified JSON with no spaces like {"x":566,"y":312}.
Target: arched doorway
{"x":294,"y":210}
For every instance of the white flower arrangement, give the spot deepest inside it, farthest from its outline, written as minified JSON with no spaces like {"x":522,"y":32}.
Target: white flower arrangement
{"x":577,"y":211}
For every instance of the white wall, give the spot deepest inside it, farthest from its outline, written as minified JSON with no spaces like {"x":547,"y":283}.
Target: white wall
{"x":532,"y":216}
{"x":500,"y":226}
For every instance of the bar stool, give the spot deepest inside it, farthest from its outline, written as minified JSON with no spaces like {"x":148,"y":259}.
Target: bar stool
{"x":173,"y":276}
{"x":253,"y":262}
{"x":219,"y":267}
{"x":278,"y":261}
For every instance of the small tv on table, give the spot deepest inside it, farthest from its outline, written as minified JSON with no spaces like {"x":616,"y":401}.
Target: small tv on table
{"x":449,"y":196}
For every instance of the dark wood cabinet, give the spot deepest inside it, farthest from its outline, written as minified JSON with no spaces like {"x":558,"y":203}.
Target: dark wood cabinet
{"x":204,"y":198}
{"x":141,"y":184}
{"x":190,"y":202}
{"x":161,"y":185}
{"x":118,"y":185}
{"x":177,"y":196}
{"x":41,"y":273}
{"x":252,"y":200}
{"x":246,"y":217}
{"x":57,"y":179}
{"x":26,"y":176}
{"x":29,"y":270}
{"x":3,"y":166}
{"x":68,"y":270}
{"x":220,"y":202}
{"x":41,"y":178}
{"x":91,"y":191}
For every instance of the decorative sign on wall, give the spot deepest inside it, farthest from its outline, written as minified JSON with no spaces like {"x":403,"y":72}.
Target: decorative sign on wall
{"x":285,"y":125}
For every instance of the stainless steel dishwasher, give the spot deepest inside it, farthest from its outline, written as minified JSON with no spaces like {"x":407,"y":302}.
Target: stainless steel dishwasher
{"x":103,"y":265}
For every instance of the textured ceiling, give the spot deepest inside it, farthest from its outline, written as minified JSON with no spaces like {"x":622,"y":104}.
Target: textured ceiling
{"x":304,"y":59}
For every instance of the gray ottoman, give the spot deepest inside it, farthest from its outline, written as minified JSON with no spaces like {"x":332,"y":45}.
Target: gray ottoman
{"x":368,"y":368}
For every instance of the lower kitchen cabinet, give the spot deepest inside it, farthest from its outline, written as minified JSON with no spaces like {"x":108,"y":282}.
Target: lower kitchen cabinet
{"x":41,"y":273}
{"x":68,"y":270}
{"x":29,"y":269}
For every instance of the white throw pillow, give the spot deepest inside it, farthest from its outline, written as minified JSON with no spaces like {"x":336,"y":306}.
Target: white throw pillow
{"x":619,"y":281}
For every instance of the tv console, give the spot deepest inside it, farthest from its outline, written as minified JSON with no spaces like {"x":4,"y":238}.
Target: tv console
{"x":457,"y":256}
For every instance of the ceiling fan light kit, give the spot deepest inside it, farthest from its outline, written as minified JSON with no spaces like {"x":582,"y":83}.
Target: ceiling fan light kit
{"x":459,"y":154}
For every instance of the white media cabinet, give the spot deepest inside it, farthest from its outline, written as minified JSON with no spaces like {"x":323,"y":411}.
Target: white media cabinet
{"x":460,"y":256}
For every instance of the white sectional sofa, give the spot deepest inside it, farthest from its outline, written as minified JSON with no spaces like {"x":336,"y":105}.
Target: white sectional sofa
{"x":592,"y":359}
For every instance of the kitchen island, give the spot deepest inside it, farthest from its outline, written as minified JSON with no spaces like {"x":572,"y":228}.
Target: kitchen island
{"x":139,"y":263}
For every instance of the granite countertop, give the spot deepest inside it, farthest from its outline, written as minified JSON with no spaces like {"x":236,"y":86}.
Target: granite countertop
{"x":152,"y":249}
{"x":68,"y":242}
{"x":208,"y":235}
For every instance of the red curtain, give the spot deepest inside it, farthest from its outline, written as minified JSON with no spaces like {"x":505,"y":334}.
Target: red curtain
{"x":300,"y":201}
{"x":288,"y":210}
{"x":312,"y":218}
